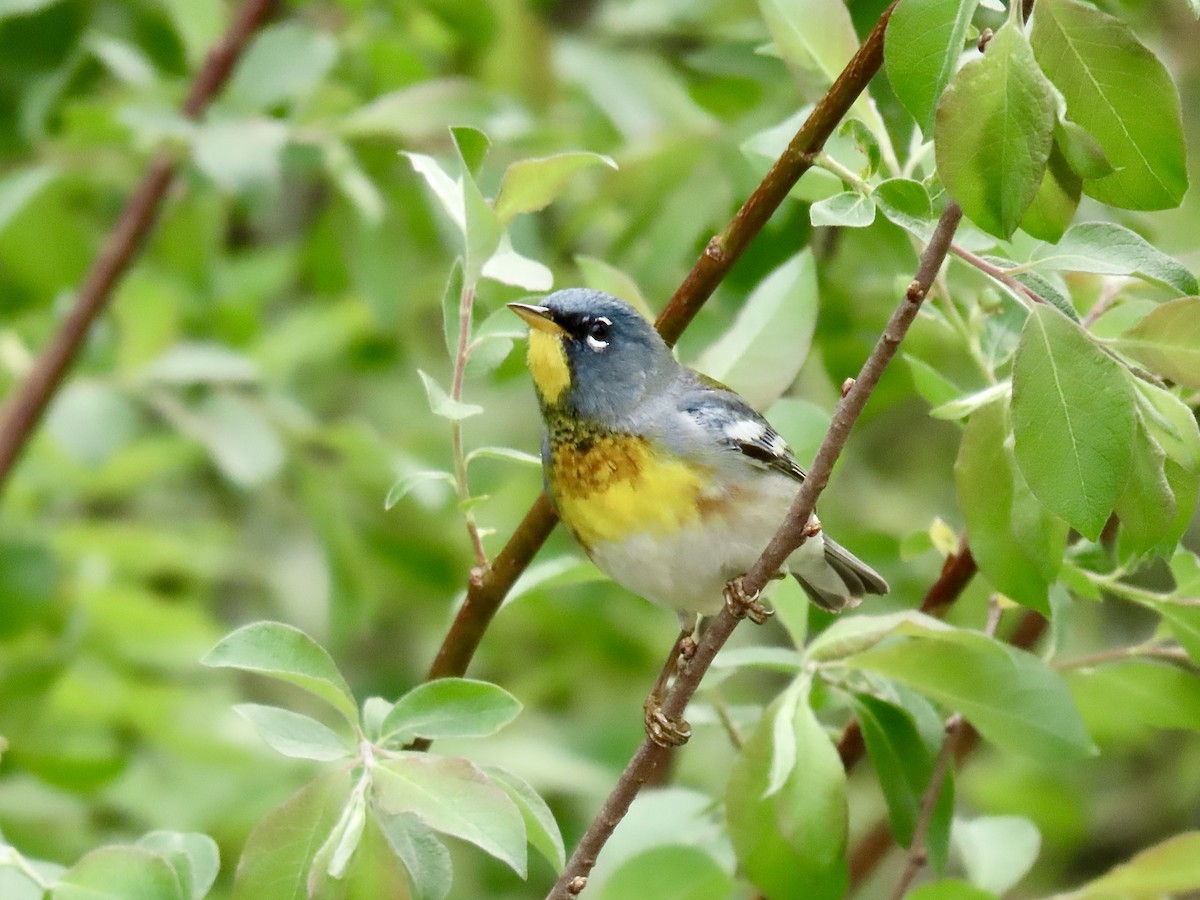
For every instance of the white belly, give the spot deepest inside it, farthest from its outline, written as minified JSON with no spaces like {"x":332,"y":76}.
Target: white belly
{"x":687,"y":570}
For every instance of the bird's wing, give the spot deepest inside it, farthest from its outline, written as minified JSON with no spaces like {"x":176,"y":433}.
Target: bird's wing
{"x":724,"y":416}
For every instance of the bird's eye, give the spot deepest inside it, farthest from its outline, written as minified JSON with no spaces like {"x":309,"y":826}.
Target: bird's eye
{"x":597,"y":333}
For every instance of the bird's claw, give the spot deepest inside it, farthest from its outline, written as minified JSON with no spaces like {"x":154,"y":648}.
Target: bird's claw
{"x":744,"y":605}
{"x":662,"y":729}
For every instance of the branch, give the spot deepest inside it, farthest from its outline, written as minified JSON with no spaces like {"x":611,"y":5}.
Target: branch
{"x":1004,"y":276}
{"x":487,"y":590}
{"x":790,"y":535}
{"x":24,"y":411}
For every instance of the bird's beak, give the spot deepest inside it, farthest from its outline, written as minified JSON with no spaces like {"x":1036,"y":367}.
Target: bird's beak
{"x":538,"y":317}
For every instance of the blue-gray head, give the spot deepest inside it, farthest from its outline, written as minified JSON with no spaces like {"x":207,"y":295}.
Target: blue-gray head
{"x":592,"y":353}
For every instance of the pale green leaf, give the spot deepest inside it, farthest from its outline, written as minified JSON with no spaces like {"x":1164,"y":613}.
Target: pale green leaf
{"x":1109,"y":249}
{"x":294,"y":734}
{"x":1171,"y":868}
{"x":453,"y":796}
{"x":848,"y":209}
{"x":1011,"y":697}
{"x":425,"y":857}
{"x":442,"y":404}
{"x":1168,"y":341}
{"x":921,"y":49}
{"x":1073,"y":420}
{"x":997,"y":851}
{"x":402,"y":487}
{"x":762,"y":352}
{"x":119,"y":873}
{"x":449,"y":708}
{"x":18,"y":188}
{"x":281,"y":651}
{"x":532,"y":184}
{"x":669,"y":872}
{"x":286,"y":63}
{"x":195,"y":858}
{"x":540,"y":826}
{"x":994,"y":131}
{"x":1118,"y":91}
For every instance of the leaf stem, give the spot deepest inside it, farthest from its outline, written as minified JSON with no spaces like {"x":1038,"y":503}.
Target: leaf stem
{"x":1148,"y":650}
{"x":1004,"y":276}
{"x":829,"y":164}
{"x":466,"y":302}
{"x":11,"y":856}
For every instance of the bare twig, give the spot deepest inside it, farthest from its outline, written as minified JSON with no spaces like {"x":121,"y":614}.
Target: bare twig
{"x":29,"y":401}
{"x":1001,"y":275}
{"x":487,"y":589}
{"x":791,"y":534}
{"x":466,"y":302}
{"x":918,"y":854}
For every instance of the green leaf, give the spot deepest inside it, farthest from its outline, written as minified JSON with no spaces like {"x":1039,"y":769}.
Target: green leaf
{"x":906,"y":203}
{"x":532,"y":184}
{"x":1073,"y":420}
{"x":1168,"y":341}
{"x":1118,"y":91}
{"x":450,"y":708}
{"x":199,"y":24}
{"x":506,"y":454}
{"x":287,"y":653}
{"x":931,"y":384}
{"x":453,"y":796}
{"x":1171,"y":423}
{"x":194,"y":857}
{"x":240,"y":156}
{"x":508,"y":266}
{"x":1108,"y":249}
{"x":761,"y":353}
{"x":949,"y":889}
{"x":791,"y":843}
{"x":993,"y":134}
{"x":962,"y":406}
{"x":1081,"y":151}
{"x":376,"y":871}
{"x":451,"y":300}
{"x":294,"y":734}
{"x":425,"y":857}
{"x":242,"y":442}
{"x":1159,"y":695}
{"x":1166,"y":869}
{"x":540,"y":826}
{"x":766,"y":659}
{"x":1146,"y":508}
{"x":601,"y":276}
{"x":669,"y":872}
{"x":994,"y":507}
{"x":1057,"y":198}
{"x":10,"y":8}
{"x":921,"y":49}
{"x":472,"y":146}
{"x":119,"y":873}
{"x":285,"y":64}
{"x":442,"y":404}
{"x":402,"y":487}
{"x":997,"y":851}
{"x":848,"y":209}
{"x":354,"y":183}
{"x":18,"y":188}
{"x":904,"y":765}
{"x":195,"y":362}
{"x":1013,"y":698}
{"x":854,"y":634}
{"x":333,"y":858}
{"x":280,"y":851}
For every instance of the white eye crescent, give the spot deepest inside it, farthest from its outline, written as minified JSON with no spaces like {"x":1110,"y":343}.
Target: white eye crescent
{"x":597,"y":336}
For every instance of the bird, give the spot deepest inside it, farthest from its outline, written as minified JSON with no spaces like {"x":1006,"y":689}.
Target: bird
{"x":670,"y":481}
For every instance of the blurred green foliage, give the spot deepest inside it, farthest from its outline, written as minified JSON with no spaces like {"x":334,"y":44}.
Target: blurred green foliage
{"x":224,"y":448}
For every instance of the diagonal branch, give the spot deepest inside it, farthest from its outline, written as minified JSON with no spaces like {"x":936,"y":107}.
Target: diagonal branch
{"x":487,"y":589}
{"x":791,"y":534}
{"x":29,"y":401}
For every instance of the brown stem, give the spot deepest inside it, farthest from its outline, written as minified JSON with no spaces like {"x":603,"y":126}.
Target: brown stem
{"x":789,"y":536}
{"x":726,"y":247}
{"x":487,"y":590}
{"x":29,"y":401}
{"x":1001,"y":275}
{"x":466,"y":302}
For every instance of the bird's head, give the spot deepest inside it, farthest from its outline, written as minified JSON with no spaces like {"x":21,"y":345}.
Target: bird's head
{"x":592,"y":353}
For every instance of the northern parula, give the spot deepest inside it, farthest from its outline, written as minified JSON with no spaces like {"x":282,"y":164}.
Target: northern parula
{"x":669,"y":480}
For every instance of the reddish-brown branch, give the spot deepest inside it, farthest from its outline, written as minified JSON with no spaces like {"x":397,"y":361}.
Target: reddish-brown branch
{"x":488,"y":589}
{"x":791,"y":534}
{"x":29,"y":401}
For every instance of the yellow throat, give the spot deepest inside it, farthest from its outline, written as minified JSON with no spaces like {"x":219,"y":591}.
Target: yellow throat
{"x":548,"y":365}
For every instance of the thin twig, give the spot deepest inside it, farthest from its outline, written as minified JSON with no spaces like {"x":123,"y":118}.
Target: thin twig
{"x":722,"y":711}
{"x":487,"y":590}
{"x":1001,"y":275}
{"x":1110,"y":290}
{"x":790,"y":535}
{"x":466,"y":302}
{"x":28,"y":404}
{"x":1116,"y":654}
{"x":918,"y":854}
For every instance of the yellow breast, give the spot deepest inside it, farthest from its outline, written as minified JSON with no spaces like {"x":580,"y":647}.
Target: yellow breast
{"x":611,"y":487}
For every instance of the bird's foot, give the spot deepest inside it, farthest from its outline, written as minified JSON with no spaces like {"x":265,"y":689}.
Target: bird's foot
{"x":661,"y":728}
{"x":744,"y":605}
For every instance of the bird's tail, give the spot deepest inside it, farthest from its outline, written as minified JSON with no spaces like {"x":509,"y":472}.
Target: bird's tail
{"x":846,"y":579}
